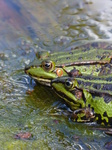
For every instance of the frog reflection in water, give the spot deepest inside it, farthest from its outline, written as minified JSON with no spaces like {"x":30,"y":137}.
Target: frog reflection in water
{"x":90,"y":97}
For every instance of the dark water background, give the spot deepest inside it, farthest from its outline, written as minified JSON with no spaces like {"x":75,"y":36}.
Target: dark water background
{"x":56,"y":25}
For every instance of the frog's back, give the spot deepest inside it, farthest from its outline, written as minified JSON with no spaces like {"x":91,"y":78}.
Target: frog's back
{"x":95,"y":51}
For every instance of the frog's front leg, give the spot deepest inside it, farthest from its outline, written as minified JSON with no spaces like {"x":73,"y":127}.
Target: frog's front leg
{"x":83,"y":115}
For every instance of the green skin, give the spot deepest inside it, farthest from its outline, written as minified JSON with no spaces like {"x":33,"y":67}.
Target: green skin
{"x":94,"y":104}
{"x":88,"y":59}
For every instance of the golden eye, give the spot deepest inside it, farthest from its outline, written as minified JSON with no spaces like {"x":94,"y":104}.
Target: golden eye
{"x":68,"y":83}
{"x":48,"y":65}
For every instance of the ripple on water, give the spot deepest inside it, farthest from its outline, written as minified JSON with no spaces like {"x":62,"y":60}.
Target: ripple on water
{"x":82,"y":20}
{"x":63,"y":40}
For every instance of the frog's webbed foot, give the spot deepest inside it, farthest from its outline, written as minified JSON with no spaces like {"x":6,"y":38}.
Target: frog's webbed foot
{"x":83,"y":115}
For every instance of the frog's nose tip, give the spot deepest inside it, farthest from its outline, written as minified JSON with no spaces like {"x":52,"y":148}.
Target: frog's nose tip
{"x":26,"y":70}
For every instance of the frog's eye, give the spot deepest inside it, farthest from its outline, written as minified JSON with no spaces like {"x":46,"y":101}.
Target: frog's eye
{"x":48,"y":65}
{"x":68,"y":83}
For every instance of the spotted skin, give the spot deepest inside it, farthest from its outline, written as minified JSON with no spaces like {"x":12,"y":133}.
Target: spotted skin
{"x":90,"y":59}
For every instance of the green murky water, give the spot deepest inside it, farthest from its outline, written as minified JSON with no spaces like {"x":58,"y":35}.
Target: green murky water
{"x":26,"y":26}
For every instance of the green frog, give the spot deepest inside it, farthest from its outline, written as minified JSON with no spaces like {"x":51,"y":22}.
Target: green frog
{"x":89,"y":97}
{"x":92,"y":58}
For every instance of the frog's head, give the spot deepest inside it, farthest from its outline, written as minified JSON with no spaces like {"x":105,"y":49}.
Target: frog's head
{"x":44,"y":72}
{"x":68,"y":89}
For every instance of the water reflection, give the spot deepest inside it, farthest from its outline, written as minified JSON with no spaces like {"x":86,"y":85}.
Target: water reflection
{"x":55,"y":23}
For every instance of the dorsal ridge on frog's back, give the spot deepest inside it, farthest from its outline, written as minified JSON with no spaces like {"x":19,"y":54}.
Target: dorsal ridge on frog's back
{"x":97,"y":86}
{"x":95,"y":51}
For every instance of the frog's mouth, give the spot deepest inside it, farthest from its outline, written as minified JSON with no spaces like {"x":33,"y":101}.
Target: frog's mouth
{"x":40,"y":80}
{"x":46,"y":82}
